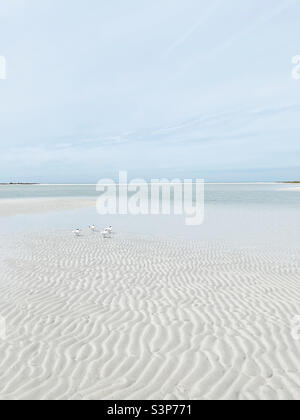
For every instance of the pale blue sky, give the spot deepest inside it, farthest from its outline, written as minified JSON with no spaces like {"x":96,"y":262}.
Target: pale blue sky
{"x":159,"y":88}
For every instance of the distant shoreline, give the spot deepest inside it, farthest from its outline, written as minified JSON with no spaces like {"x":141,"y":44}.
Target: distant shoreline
{"x":19,"y":183}
{"x":289,"y":182}
{"x":213,"y":183}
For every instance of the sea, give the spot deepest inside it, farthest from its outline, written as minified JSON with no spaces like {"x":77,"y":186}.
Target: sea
{"x":252,"y":214}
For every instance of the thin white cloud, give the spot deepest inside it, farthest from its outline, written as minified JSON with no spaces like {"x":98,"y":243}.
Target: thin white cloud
{"x":208,"y":13}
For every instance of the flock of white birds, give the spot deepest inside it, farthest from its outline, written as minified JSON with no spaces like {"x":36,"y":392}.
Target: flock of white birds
{"x":106,"y":233}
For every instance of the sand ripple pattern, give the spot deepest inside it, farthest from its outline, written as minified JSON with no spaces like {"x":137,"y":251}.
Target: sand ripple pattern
{"x":147,"y":318}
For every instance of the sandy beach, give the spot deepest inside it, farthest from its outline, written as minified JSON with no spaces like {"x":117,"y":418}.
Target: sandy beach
{"x":142,"y":317}
{"x":22,"y":206}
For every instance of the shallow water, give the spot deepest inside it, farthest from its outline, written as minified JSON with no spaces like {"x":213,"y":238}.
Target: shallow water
{"x":226,"y":194}
{"x":250,"y":214}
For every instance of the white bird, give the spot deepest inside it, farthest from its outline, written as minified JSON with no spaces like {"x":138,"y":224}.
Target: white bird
{"x":109,"y":229}
{"x":76,"y":232}
{"x":93,"y":228}
{"x":105,"y":234}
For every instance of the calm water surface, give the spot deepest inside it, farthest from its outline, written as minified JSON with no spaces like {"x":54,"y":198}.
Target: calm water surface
{"x":243,"y":194}
{"x":251,"y":214}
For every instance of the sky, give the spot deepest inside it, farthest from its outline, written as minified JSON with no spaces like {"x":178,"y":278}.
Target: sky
{"x":160,"y":88}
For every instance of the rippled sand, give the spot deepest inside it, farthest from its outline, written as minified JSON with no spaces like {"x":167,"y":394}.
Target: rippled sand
{"x":138,"y":318}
